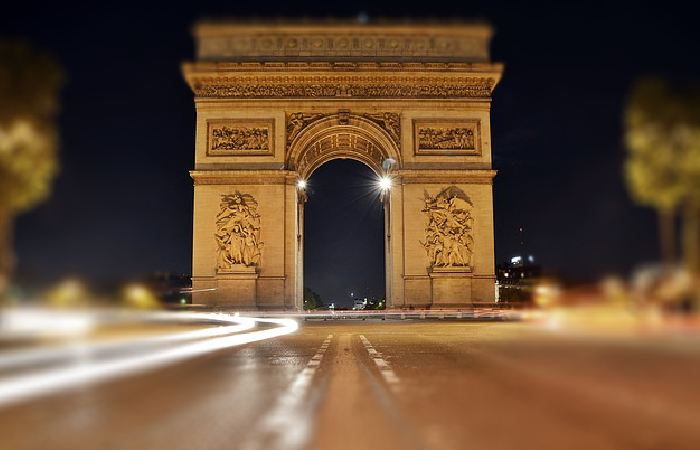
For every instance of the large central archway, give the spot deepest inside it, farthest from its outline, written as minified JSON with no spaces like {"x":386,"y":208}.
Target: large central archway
{"x":315,"y":139}
{"x":344,"y":236}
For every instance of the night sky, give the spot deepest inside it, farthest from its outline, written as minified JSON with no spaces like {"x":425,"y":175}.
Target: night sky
{"x":122,"y":204}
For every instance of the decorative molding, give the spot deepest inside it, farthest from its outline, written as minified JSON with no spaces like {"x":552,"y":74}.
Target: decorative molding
{"x":239,"y":249}
{"x":243,"y":176}
{"x":420,"y":175}
{"x":350,"y":86}
{"x":240,"y":137}
{"x":449,"y":243}
{"x":213,"y":68}
{"x":447,"y":137}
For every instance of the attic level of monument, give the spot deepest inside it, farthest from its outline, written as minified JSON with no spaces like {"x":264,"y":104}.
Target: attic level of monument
{"x":230,"y":41}
{"x":322,"y":61}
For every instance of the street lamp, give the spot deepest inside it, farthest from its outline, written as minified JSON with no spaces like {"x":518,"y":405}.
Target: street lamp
{"x":301,"y":183}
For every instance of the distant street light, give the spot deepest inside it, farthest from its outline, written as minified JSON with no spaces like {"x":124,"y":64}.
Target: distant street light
{"x":139,"y":296}
{"x":301,"y":184}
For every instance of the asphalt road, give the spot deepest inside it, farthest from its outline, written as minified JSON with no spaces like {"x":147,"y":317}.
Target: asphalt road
{"x":388,"y":385}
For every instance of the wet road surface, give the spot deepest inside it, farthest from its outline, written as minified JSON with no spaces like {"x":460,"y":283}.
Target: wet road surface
{"x":388,"y":385}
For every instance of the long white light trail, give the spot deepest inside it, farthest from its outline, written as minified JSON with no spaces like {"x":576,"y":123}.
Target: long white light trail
{"x":21,"y":388}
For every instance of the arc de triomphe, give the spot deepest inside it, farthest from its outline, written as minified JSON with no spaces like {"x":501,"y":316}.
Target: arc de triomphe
{"x":275,"y":101}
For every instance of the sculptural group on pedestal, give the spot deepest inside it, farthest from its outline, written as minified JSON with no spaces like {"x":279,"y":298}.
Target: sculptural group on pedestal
{"x":238,"y":232}
{"x":448,"y":234}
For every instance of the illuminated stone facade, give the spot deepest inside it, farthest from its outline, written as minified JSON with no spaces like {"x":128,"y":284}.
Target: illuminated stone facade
{"x":276,"y":101}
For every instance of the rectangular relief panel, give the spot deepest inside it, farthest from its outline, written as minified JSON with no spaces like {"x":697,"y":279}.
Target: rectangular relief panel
{"x":447,"y":137}
{"x":240,"y":137}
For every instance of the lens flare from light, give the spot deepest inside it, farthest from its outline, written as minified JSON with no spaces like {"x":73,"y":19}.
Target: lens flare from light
{"x":385,"y":183}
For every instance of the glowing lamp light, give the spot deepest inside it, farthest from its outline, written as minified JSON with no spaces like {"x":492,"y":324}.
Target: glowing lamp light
{"x":385,"y":183}
{"x":69,"y":293}
{"x":301,"y":184}
{"x":139,"y":296}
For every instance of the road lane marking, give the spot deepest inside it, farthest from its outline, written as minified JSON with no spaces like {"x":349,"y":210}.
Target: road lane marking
{"x":23,"y":387}
{"x":288,"y":425}
{"x":381,"y":363}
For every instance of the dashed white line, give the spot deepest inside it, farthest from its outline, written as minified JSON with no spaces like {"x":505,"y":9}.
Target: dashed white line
{"x":288,"y":425}
{"x":381,"y":363}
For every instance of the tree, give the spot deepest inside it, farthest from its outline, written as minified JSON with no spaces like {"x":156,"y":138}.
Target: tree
{"x":662,"y":133}
{"x":29,"y":85}
{"x":651,"y":166}
{"x":312,"y":300}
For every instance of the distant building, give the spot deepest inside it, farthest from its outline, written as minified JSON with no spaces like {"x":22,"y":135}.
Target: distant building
{"x":170,"y":287}
{"x":516,"y":279}
{"x":359,"y":303}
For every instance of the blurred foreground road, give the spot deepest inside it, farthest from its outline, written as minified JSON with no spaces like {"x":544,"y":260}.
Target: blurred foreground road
{"x":389,"y":385}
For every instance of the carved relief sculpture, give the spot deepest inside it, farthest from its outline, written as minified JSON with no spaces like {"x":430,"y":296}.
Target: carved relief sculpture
{"x":238,"y":232}
{"x":447,"y":137}
{"x":390,"y":122}
{"x":239,"y":137}
{"x":244,"y":138}
{"x":296,"y":122}
{"x":448,"y":234}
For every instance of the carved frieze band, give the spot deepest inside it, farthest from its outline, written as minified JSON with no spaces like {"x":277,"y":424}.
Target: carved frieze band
{"x":240,"y":137}
{"x":388,"y":121}
{"x":239,"y":248}
{"x":343,"y":86}
{"x":447,"y":137}
{"x":449,"y":243}
{"x":358,"y":43}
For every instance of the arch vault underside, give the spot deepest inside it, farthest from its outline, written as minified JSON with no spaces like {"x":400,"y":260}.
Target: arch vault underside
{"x":268,"y":116}
{"x":369,"y":138}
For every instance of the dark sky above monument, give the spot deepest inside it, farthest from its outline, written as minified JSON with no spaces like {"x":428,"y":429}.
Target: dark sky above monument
{"x":122,"y":204}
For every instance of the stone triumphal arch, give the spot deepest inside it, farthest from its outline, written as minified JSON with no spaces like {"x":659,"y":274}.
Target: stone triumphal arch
{"x":275,"y":101}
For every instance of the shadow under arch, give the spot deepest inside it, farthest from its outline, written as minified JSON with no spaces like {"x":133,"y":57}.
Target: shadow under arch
{"x":342,"y":136}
